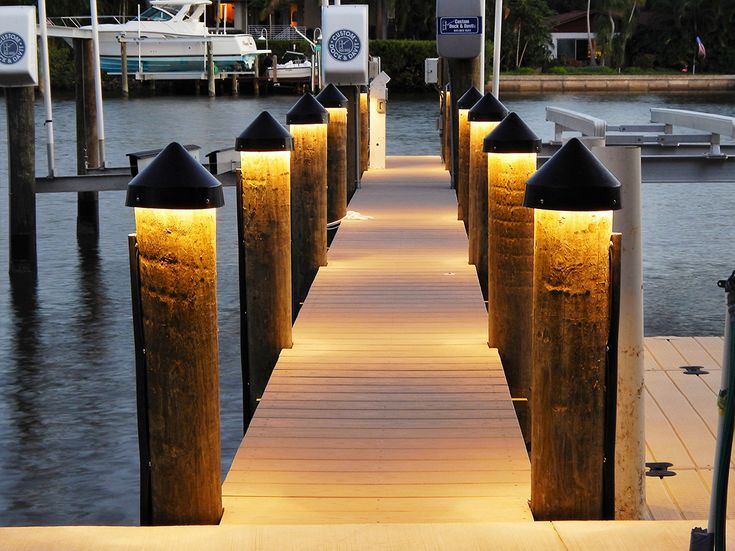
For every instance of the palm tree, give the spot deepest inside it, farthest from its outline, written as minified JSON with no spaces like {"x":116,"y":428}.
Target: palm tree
{"x":589,"y":35}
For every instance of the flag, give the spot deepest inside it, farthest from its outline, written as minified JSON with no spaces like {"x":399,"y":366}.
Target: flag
{"x":700,"y":48}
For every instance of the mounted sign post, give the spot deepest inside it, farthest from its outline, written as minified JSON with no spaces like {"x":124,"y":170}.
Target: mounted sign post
{"x":345,"y":63}
{"x":460,"y":38}
{"x":19,"y":75}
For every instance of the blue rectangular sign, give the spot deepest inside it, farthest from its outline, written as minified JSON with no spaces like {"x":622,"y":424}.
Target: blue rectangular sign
{"x":458,"y":25}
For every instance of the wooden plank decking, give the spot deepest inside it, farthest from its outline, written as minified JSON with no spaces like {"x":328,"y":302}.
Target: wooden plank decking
{"x":390,"y":407}
{"x":681,"y":424}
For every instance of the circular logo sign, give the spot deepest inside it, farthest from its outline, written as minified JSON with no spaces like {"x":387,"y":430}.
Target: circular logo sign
{"x":344,"y":45}
{"x":12,"y":48}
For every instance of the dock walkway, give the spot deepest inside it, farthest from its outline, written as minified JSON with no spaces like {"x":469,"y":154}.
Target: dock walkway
{"x":390,"y":407}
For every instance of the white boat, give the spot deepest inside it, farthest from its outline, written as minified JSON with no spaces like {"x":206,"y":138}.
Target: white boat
{"x":297,"y":68}
{"x":171,"y":36}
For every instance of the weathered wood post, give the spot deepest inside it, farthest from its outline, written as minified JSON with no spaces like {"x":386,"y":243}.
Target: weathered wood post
{"x":336,"y":104}
{"x":308,"y":120}
{"x":364,"y":130}
{"x":630,"y":456}
{"x":174,"y":289}
{"x":256,"y":78}
{"x":88,"y":145}
{"x":352,"y":93}
{"x":274,"y":67}
{"x":20,"y":103}
{"x":574,"y":196}
{"x":465,"y":103}
{"x":211,"y":87}
{"x":484,"y":116}
{"x":265,"y":246}
{"x":463,"y":74}
{"x":124,"y":67}
{"x":511,"y":159}
{"x":235,"y":85}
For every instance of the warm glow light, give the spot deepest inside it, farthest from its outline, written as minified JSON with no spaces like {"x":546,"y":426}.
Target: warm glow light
{"x":177,"y":265}
{"x":477,"y":191}
{"x":510,"y":266}
{"x":268,"y":168}
{"x":463,"y":173}
{"x":571,"y":327}
{"x":308,"y":136}
{"x":337,"y":164}
{"x":175,"y":245}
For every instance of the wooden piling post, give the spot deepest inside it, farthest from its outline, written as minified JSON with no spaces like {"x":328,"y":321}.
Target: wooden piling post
{"x":484,"y":116}
{"x":256,"y":77}
{"x":336,"y":104}
{"x":465,"y":103}
{"x":174,"y":291}
{"x":571,"y":328}
{"x":511,"y":159}
{"x":88,"y":153}
{"x":235,"y":85}
{"x":22,"y":174}
{"x":274,"y":66}
{"x":308,"y":124}
{"x":211,"y":88}
{"x":124,"y":68}
{"x":265,"y":148}
{"x":463,"y":73}
{"x":352,"y":93}
{"x":364,"y":131}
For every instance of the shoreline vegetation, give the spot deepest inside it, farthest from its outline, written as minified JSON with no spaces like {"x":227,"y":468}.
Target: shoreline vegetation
{"x":403,"y":60}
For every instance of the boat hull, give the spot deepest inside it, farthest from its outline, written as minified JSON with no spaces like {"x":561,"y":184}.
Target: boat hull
{"x":178,"y":63}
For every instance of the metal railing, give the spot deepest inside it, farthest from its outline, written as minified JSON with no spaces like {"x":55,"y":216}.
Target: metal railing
{"x":79,"y":21}
{"x":276,"y":32}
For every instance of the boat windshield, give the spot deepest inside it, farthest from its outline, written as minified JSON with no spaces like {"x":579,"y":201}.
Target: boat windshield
{"x":155,"y":14}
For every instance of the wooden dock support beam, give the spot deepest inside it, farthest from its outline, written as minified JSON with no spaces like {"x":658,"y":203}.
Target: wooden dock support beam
{"x":336,"y":104}
{"x":308,"y":124}
{"x":211,"y":88}
{"x":511,"y":159}
{"x":353,"y":139}
{"x":265,"y":241}
{"x":364,"y":131}
{"x":88,"y":153}
{"x":124,"y":68}
{"x":463,"y":74}
{"x":22,"y":173}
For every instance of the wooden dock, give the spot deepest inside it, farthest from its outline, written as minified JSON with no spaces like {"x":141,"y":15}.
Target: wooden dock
{"x":390,"y":407}
{"x":389,"y":424}
{"x":681,"y":425}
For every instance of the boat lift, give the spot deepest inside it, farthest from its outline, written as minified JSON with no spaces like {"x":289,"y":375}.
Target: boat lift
{"x":667,"y":157}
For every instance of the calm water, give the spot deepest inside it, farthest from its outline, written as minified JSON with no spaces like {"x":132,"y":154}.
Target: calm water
{"x":68,"y":443}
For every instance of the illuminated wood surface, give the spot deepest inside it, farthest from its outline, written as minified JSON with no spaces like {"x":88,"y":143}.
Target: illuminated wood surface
{"x":364,"y":132}
{"x":336,"y":164}
{"x":390,"y":407}
{"x":681,"y":425}
{"x":510,"y":536}
{"x":463,"y":169}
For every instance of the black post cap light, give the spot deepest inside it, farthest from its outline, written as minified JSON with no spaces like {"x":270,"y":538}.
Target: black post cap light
{"x":307,"y":111}
{"x":488,"y":109}
{"x":511,"y":136}
{"x":573,"y":179}
{"x":469,"y":98}
{"x":330,"y":96}
{"x":175,"y":180}
{"x":264,"y":134}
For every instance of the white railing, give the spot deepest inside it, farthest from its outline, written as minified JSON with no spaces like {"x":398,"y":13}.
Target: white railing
{"x":566,"y":120}
{"x":78,"y":21}
{"x":716,"y":125}
{"x":276,"y":32}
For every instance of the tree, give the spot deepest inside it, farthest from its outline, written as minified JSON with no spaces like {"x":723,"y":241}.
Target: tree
{"x":526,"y":34}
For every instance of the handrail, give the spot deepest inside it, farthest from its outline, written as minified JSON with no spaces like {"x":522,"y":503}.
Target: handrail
{"x":565,"y":119}
{"x":717,"y":125}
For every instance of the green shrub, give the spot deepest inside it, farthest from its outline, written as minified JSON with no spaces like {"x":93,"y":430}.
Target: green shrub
{"x":61,"y":62}
{"x":557,"y":70}
{"x":403,"y":60}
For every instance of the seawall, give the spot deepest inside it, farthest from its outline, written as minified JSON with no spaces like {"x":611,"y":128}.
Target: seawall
{"x":641,"y":84}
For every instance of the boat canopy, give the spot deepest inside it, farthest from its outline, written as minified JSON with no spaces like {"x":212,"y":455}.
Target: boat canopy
{"x":175,"y":10}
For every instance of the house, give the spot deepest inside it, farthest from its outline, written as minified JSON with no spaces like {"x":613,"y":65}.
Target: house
{"x":569,"y":39}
